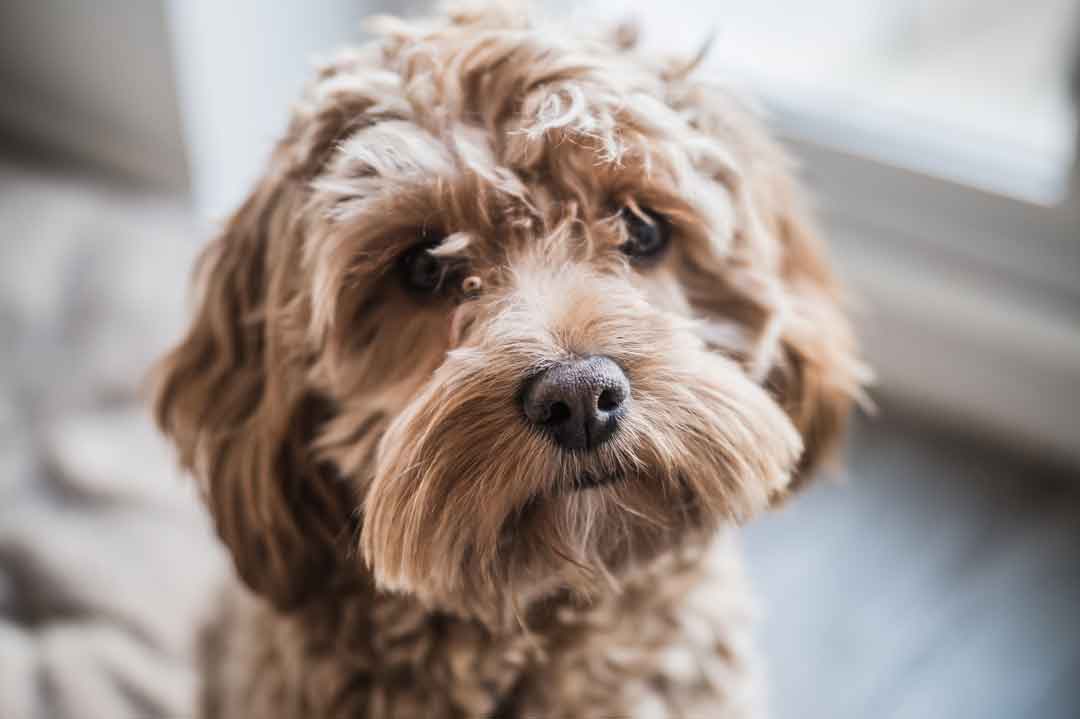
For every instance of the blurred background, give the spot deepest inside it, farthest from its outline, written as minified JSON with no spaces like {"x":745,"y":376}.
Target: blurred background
{"x":939,"y":577}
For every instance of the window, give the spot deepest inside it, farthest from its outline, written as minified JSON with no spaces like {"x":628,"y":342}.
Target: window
{"x":975,"y":91}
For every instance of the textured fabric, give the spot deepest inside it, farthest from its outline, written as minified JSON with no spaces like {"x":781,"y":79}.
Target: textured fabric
{"x":105,"y":558}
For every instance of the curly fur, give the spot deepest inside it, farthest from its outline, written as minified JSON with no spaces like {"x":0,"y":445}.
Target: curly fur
{"x":408,"y":546}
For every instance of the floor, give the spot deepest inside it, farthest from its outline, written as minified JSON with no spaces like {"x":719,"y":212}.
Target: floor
{"x":939,"y":580}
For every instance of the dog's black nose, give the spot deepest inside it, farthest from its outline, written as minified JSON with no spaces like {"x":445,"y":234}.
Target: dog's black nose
{"x":579,"y":403}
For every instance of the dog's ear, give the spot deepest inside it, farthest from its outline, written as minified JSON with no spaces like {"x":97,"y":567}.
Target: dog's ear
{"x":231,"y":397}
{"x":775,"y":278}
{"x":818,"y":372}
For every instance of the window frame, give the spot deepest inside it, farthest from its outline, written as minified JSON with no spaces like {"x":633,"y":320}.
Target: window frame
{"x":968,"y":300}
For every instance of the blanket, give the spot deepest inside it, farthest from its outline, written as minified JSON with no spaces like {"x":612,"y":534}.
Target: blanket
{"x":107,"y":563}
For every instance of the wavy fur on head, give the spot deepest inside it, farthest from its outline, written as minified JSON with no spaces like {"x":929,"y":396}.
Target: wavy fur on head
{"x":363,"y":447}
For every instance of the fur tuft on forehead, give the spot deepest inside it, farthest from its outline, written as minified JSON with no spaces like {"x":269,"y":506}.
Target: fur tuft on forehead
{"x":532,"y":88}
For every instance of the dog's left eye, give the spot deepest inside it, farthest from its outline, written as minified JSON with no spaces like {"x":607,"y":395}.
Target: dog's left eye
{"x":420,"y":270}
{"x":649,"y":234}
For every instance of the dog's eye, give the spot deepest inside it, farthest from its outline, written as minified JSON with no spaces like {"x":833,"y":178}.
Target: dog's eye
{"x":421,"y":271}
{"x":649,"y":234}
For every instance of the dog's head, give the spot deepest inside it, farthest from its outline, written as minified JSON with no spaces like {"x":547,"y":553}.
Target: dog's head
{"x":507,"y":313}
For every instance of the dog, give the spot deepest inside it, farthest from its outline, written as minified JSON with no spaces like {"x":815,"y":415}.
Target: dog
{"x":516,"y":328}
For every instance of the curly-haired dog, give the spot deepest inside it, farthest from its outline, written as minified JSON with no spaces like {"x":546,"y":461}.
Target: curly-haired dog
{"x":512,"y":332}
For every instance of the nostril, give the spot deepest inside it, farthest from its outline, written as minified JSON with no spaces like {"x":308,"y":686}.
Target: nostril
{"x":558,"y":412}
{"x":609,"y":400}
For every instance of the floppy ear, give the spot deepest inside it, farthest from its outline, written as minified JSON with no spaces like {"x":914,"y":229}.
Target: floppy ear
{"x":775,"y":279}
{"x":231,"y":397}
{"x":804,"y":350}
{"x":818,"y":372}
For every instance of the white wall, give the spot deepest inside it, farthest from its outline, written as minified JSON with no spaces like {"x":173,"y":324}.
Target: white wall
{"x":239,"y":66}
{"x":178,"y":93}
{"x":93,"y":80}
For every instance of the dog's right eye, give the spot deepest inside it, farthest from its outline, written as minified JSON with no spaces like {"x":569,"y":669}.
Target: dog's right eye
{"x":421,"y":271}
{"x":649,"y":234}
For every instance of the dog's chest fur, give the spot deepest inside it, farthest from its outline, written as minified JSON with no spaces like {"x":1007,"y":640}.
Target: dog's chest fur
{"x":675,"y":642}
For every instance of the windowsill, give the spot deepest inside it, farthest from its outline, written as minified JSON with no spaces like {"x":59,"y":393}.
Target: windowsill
{"x":1033,"y":173}
{"x":967,"y":300}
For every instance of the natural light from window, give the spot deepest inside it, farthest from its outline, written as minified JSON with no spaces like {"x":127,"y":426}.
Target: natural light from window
{"x":974,"y":91}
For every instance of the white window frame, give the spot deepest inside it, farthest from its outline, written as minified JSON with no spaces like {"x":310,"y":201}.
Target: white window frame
{"x":969,"y":300}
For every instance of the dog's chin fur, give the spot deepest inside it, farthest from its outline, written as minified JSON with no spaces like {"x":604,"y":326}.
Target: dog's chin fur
{"x":348,"y":432}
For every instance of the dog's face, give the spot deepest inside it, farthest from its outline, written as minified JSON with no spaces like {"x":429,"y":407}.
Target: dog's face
{"x":507,"y":314}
